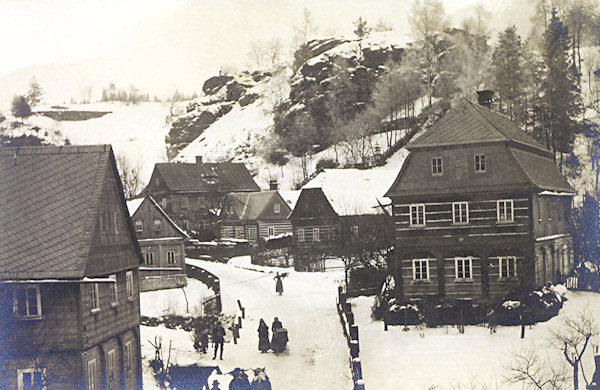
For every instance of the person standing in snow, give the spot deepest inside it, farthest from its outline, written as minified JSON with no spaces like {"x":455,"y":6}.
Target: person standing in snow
{"x":278,"y":283}
{"x":263,"y":336}
{"x":218,"y":338}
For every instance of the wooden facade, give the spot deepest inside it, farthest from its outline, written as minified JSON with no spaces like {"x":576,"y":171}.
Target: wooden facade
{"x":69,"y":282}
{"x":162,"y":244}
{"x":255,"y":216}
{"x":476,"y":204}
{"x":192,"y":193}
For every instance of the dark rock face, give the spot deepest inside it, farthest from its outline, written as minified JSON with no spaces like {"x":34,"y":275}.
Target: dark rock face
{"x":235,"y":91}
{"x":213,"y":84}
{"x":248,"y":98}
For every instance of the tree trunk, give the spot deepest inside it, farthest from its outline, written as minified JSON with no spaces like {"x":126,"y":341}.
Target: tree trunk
{"x":576,"y":375}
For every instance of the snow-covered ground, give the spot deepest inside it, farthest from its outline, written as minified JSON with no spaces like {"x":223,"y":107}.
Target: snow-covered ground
{"x":134,"y":131}
{"x":442,"y":358}
{"x":173,"y":301}
{"x":318,"y":356}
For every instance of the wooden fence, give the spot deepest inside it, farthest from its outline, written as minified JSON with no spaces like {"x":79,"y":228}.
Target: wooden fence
{"x":211,"y":281}
{"x":351,"y":333}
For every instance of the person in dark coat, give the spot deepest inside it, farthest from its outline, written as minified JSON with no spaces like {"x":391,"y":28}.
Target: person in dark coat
{"x":218,"y":338}
{"x":204,"y":341}
{"x":263,"y":336}
{"x":239,"y":381}
{"x":278,"y":283}
{"x":276,"y":324}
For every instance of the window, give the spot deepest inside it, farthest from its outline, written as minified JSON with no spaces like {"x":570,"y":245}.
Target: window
{"x":184,"y":203}
{"x":463,"y":268}
{"x":505,"y":211}
{"x":239,"y":232}
{"x":129,"y":284}
{"x":417,"y":214}
{"x":271,"y":231}
{"x":163,"y":203}
{"x":157,"y":225}
{"x":94,"y":298}
{"x":436,"y":166}
{"x":276,"y":208}
{"x":30,"y":379}
{"x":171,"y":257}
{"x":127,"y":359}
{"x":102,"y":221}
{"x":354,"y":230}
{"x":149,"y":258}
{"x":113,"y":290}
{"x":316,"y":234}
{"x":139,"y":226}
{"x":186,"y":225}
{"x":420,"y":269}
{"x":460,"y":212}
{"x":27,"y":302}
{"x":300,"y":235}
{"x":508,"y":266}
{"x":110,"y":365}
{"x":92,"y":379}
{"x":115,"y":222}
{"x":480,"y":163}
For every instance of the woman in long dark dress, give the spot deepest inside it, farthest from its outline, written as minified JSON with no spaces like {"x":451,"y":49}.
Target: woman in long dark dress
{"x":263,"y":336}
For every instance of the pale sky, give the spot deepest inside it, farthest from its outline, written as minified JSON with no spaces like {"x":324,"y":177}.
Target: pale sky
{"x":160,"y":45}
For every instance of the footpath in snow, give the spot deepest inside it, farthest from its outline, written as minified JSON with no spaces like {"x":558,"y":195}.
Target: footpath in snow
{"x":317,"y":357}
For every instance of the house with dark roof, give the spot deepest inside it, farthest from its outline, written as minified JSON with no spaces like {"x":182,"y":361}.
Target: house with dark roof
{"x":192,"y":193}
{"x":162,"y":244}
{"x":69,"y":282}
{"x":480,"y":208}
{"x":255,"y":216}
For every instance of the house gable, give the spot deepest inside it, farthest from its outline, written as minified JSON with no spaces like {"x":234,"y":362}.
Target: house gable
{"x":268,"y":212}
{"x":114,"y":245}
{"x":312,"y":203}
{"x":148,"y":212}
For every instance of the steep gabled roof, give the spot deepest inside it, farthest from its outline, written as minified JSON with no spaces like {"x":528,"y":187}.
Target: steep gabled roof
{"x":49,"y":198}
{"x":134,"y":205}
{"x":471,"y":123}
{"x":253,"y":206}
{"x":542,"y":172}
{"x":354,"y":191}
{"x":205,"y":177}
{"x":312,"y":203}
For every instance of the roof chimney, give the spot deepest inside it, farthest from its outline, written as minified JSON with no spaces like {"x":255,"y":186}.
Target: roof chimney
{"x":273,"y":184}
{"x":485,"y":97}
{"x":198,"y":159}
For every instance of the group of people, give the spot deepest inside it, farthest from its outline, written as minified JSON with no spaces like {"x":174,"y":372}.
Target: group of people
{"x":218,"y":339}
{"x":278,"y":340}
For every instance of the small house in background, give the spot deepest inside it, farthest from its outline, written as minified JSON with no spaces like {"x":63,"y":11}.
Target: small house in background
{"x":255,"y":216}
{"x":339,"y":209}
{"x":162,"y":244}
{"x":69,"y":283}
{"x":192,"y":193}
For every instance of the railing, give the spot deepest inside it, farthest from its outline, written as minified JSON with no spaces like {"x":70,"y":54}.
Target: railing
{"x":351,"y":333}
{"x":207,"y":278}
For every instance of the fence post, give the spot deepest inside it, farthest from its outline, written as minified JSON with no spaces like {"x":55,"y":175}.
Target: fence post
{"x":240,"y":322}
{"x":354,"y":332}
{"x":354,"y":349}
{"x":350,"y":318}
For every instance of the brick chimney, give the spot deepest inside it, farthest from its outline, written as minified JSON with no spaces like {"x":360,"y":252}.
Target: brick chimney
{"x":273,"y":185}
{"x":198,"y":159}
{"x":485,"y":97}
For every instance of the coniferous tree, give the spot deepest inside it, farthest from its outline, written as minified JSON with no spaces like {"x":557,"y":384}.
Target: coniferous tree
{"x":20,"y":108}
{"x":34,"y":95}
{"x":507,"y":71}
{"x":561,"y":98}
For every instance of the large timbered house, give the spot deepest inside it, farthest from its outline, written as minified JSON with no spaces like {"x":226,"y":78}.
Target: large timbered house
{"x":479,"y":208}
{"x":69,"y":290}
{"x":192,"y":193}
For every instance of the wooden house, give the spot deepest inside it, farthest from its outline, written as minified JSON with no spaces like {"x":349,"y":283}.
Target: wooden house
{"x":192,"y":193}
{"x":69,"y":260}
{"x":479,"y":208}
{"x":340,"y":208}
{"x":255,"y":216}
{"x":162,"y":244}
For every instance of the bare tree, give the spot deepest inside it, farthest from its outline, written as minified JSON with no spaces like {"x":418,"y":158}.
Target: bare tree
{"x":34,"y":95}
{"x":274,"y":50}
{"x":572,"y":336}
{"x":529,"y":369}
{"x":256,"y":53}
{"x":306,"y":29}
{"x":130,"y":177}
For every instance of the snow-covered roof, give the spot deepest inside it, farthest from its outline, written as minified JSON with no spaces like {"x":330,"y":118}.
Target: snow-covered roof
{"x":133,"y":205}
{"x":355,"y":191}
{"x":290,"y":197}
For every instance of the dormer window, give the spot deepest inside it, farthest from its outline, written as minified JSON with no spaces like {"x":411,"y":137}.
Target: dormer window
{"x":480,"y":163}
{"x":436,"y":166}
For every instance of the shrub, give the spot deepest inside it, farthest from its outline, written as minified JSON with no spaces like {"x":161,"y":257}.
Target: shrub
{"x":326,"y":163}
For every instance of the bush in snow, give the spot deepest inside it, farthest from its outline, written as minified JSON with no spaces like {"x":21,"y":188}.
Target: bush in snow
{"x":326,"y":163}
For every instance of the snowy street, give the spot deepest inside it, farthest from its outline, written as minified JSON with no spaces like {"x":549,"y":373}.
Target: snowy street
{"x":317,"y":354}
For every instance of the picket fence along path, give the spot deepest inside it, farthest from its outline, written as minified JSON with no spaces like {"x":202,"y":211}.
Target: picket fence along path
{"x":351,"y":333}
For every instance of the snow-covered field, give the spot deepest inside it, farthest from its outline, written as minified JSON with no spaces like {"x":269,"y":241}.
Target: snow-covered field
{"x":173,"y":301}
{"x":317,"y":355}
{"x":134,"y":131}
{"x":442,"y":358}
